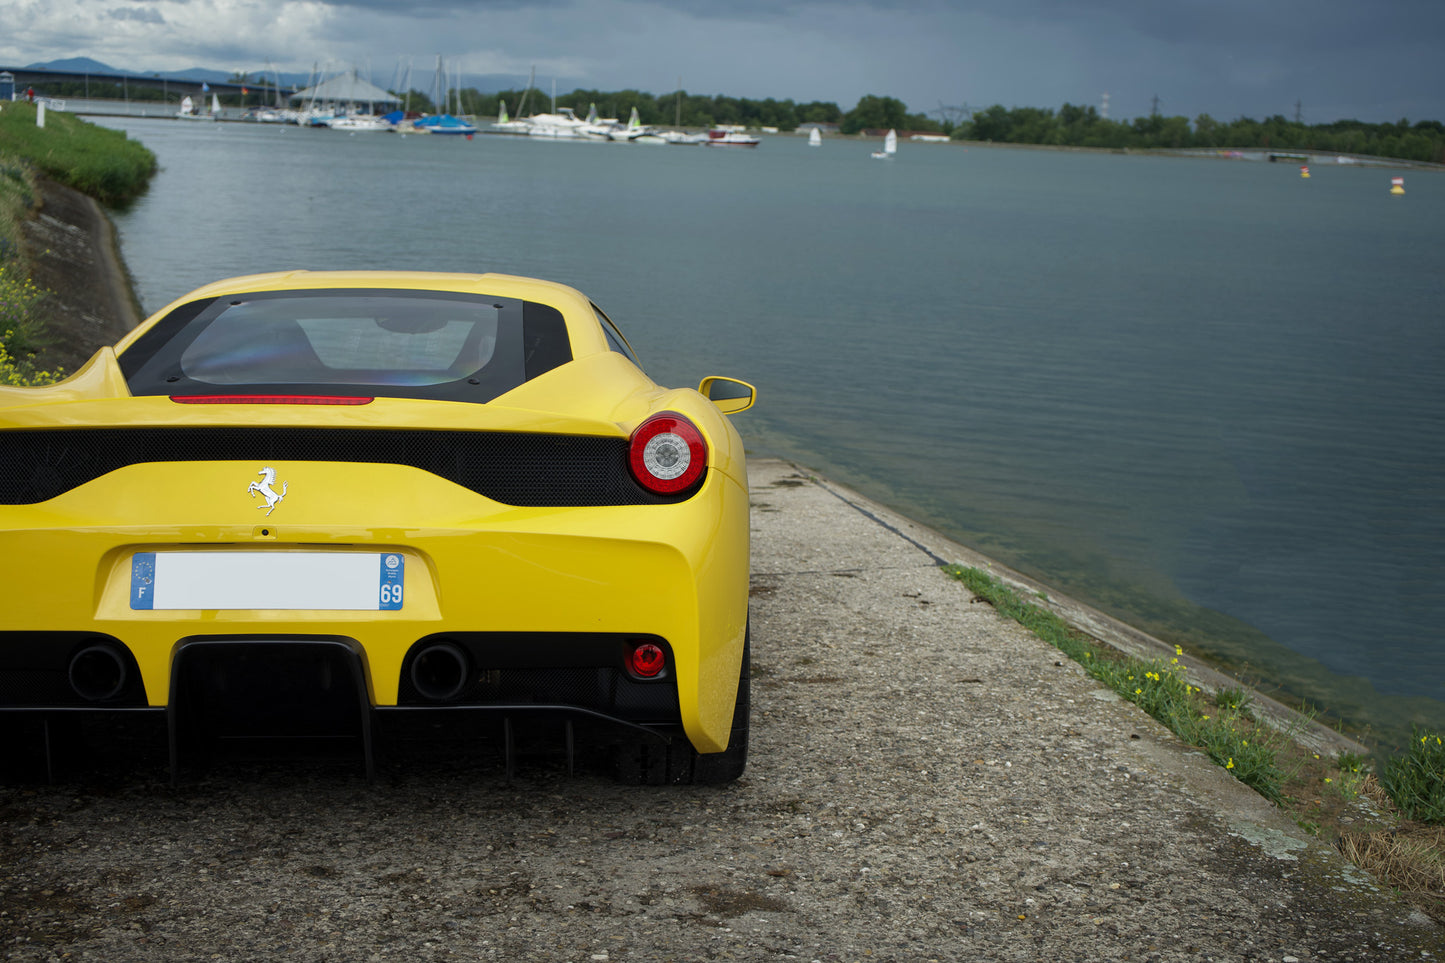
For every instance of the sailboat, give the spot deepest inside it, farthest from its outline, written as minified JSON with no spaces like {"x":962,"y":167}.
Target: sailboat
{"x":890,"y":146}
{"x":505,"y":125}
{"x":443,"y":122}
{"x":597,"y":128}
{"x":815,"y":139}
{"x":188,"y":111}
{"x":635,"y":132}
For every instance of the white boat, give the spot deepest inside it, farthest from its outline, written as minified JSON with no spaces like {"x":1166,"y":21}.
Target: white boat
{"x":506,"y":125}
{"x":563,"y":123}
{"x":359,"y":123}
{"x":271,"y":115}
{"x":595,"y":128}
{"x":635,"y":131}
{"x":815,"y":139}
{"x":890,"y":146}
{"x":188,"y":111}
{"x":680,"y":137}
{"x":729,"y":137}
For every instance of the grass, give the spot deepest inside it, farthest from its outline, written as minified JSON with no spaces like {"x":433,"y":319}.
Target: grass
{"x":94,"y":160}
{"x":21,"y":302}
{"x":1390,"y":826}
{"x":103,"y":163}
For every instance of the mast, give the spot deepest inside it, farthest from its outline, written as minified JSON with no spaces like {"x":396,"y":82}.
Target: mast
{"x":522,"y":106}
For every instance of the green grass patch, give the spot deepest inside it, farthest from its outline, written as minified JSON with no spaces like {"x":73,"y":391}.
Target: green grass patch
{"x":1414,"y":778}
{"x":21,"y":321}
{"x":103,"y":163}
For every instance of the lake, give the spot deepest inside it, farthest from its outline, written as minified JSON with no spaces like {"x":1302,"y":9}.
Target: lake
{"x":1206,"y":396}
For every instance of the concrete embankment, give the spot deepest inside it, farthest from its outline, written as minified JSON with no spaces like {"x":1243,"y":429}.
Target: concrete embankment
{"x":74,"y":254}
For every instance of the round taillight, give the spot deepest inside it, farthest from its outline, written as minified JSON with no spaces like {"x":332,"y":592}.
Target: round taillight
{"x":667,"y":453}
{"x":647,"y":660}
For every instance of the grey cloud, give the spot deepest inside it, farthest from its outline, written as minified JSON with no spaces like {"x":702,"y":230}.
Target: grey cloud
{"x":137,"y":15}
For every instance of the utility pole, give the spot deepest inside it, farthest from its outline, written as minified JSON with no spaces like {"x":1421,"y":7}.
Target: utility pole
{"x":1154,"y":109}
{"x":953,"y":115}
{"x":1104,"y":107}
{"x":1297,"y":108}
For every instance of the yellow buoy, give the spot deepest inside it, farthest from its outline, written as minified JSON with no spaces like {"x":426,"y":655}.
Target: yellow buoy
{"x":1304,"y":172}
{"x":1397,"y":185}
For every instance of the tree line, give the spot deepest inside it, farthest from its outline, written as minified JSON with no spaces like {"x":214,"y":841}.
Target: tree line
{"x":1075,"y":126}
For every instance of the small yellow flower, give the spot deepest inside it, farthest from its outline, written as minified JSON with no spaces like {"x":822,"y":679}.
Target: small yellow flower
{"x":1138,"y":691}
{"x":1178,"y":650}
{"x":1230,"y":763}
{"x":1206,"y":717}
{"x":1328,"y":779}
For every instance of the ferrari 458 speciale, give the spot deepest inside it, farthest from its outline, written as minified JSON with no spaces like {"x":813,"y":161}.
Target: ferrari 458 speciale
{"x":371,"y":496}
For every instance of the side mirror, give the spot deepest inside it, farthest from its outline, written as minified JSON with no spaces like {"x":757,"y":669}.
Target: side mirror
{"x":729,"y":394}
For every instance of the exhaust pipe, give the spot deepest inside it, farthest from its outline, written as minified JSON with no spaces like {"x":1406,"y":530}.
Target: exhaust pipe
{"x":440,"y":672}
{"x":98,"y":672}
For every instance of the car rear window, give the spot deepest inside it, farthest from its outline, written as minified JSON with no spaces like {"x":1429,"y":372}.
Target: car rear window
{"x":374,"y":342}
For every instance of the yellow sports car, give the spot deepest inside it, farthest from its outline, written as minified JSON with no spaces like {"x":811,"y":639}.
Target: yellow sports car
{"x":337,"y":499}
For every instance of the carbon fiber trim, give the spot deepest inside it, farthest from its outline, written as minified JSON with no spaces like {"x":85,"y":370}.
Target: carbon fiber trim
{"x":514,"y":468}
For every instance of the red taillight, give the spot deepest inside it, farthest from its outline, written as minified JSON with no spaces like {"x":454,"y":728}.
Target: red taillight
{"x":269,"y":400}
{"x":667,"y":453}
{"x":647,"y":660}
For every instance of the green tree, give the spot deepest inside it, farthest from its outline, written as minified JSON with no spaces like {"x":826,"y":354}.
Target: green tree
{"x":875,"y":113}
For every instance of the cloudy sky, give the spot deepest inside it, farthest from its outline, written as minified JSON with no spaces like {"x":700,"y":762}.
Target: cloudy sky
{"x":1373,"y":60}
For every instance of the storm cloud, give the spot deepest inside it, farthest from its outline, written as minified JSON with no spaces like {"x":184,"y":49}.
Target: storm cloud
{"x":1325,"y":59}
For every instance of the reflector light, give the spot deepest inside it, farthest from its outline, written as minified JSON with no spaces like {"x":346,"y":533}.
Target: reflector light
{"x":667,"y":453}
{"x":270,"y":400}
{"x":648,"y":660}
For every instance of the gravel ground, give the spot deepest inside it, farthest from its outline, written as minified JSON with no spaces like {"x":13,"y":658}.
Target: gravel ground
{"x":927,"y":782}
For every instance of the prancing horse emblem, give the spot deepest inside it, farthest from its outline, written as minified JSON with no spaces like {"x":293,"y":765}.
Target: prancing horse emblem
{"x":273,"y":497}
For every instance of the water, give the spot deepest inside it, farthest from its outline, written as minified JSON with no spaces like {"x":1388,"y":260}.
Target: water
{"x":1206,"y":396}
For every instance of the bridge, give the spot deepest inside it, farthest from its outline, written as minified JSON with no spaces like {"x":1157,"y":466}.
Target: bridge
{"x":106,"y":85}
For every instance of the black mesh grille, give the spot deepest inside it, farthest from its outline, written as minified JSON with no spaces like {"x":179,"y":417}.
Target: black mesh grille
{"x":513,"y":468}
{"x":34,"y":670}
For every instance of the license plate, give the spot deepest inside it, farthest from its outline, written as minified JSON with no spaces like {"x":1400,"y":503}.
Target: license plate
{"x":322,"y":581}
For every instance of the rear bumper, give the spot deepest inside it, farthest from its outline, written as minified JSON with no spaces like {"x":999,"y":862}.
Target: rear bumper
{"x":541,"y":600}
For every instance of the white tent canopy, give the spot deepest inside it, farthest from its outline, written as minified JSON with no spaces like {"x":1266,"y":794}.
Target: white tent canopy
{"x":345,"y":89}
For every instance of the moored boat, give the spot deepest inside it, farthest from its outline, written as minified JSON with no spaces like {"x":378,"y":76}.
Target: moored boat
{"x":444,"y":124}
{"x":730,"y":137}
